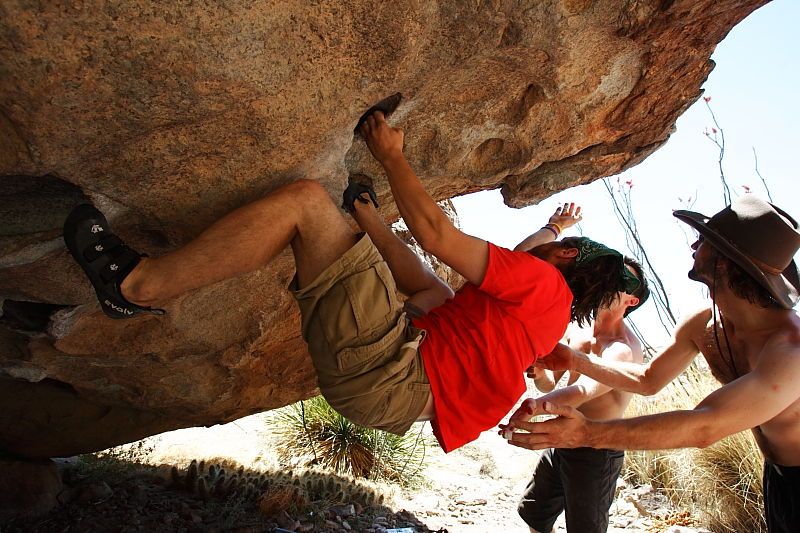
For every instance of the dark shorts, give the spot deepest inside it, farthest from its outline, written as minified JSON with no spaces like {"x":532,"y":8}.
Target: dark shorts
{"x":782,"y":498}
{"x":364,"y":348}
{"x":581,"y":482}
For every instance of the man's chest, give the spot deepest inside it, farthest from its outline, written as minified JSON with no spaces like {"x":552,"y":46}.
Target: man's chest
{"x":585,"y":341}
{"x":728,"y":358}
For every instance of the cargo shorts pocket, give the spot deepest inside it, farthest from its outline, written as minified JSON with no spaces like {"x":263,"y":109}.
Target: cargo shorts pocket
{"x":358,"y":309}
{"x":373,"y":298}
{"x":358,"y":358}
{"x":370,"y":411}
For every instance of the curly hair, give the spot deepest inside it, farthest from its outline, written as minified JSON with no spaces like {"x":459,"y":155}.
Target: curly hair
{"x":742,"y":284}
{"x":594,"y":284}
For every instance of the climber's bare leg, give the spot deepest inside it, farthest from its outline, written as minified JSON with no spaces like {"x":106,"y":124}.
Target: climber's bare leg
{"x":300,"y":215}
{"x":425,"y":290}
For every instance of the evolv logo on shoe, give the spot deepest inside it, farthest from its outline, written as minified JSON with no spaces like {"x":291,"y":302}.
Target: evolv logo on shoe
{"x":117,"y":308}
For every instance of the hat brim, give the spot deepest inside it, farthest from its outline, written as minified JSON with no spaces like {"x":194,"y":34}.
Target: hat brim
{"x":784,"y":288}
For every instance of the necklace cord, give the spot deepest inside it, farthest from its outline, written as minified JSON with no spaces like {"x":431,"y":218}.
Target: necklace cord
{"x":732,"y":365}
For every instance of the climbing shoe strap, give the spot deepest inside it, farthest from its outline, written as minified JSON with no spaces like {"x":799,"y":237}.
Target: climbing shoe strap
{"x":103,"y":247}
{"x":121,"y":260}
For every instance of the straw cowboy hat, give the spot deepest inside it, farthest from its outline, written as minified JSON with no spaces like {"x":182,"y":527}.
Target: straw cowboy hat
{"x":760,"y":238}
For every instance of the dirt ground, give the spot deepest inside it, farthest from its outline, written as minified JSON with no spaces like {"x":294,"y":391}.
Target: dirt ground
{"x":474,"y":489}
{"x":471,"y":490}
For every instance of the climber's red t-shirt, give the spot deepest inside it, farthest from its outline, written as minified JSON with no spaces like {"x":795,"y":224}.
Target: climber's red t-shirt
{"x":480,"y":343}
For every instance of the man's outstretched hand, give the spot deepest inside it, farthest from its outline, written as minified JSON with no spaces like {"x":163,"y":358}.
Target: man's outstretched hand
{"x":561,"y":358}
{"x":384,"y":141}
{"x":569,"y":430}
{"x":567,"y":215}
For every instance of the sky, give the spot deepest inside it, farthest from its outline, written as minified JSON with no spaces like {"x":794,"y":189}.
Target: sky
{"x":753,"y":91}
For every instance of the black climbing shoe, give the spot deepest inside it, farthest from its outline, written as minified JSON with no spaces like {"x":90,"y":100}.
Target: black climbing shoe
{"x":104,"y":258}
{"x":353,"y":192}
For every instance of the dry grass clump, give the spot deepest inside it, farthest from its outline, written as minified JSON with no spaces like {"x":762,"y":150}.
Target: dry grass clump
{"x":732,"y":476}
{"x":280,"y":498}
{"x":721,"y":483}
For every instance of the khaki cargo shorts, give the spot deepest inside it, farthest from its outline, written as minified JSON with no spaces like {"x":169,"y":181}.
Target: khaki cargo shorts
{"x":363,"y":346}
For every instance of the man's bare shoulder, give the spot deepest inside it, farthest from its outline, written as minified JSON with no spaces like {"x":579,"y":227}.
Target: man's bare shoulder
{"x":695,"y":323}
{"x":633,"y":343}
{"x":784,"y":342}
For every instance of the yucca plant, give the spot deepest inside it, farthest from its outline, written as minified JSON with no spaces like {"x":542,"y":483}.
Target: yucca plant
{"x":311,"y":433}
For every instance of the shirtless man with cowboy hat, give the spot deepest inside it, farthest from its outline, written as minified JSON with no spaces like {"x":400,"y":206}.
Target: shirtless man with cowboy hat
{"x":744,"y":254}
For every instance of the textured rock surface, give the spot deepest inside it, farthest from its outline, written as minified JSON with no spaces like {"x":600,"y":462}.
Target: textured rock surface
{"x":168,"y":116}
{"x":28,"y":488}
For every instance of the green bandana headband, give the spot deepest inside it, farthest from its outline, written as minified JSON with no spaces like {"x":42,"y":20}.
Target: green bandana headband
{"x":631,"y":284}
{"x":589,"y":250}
